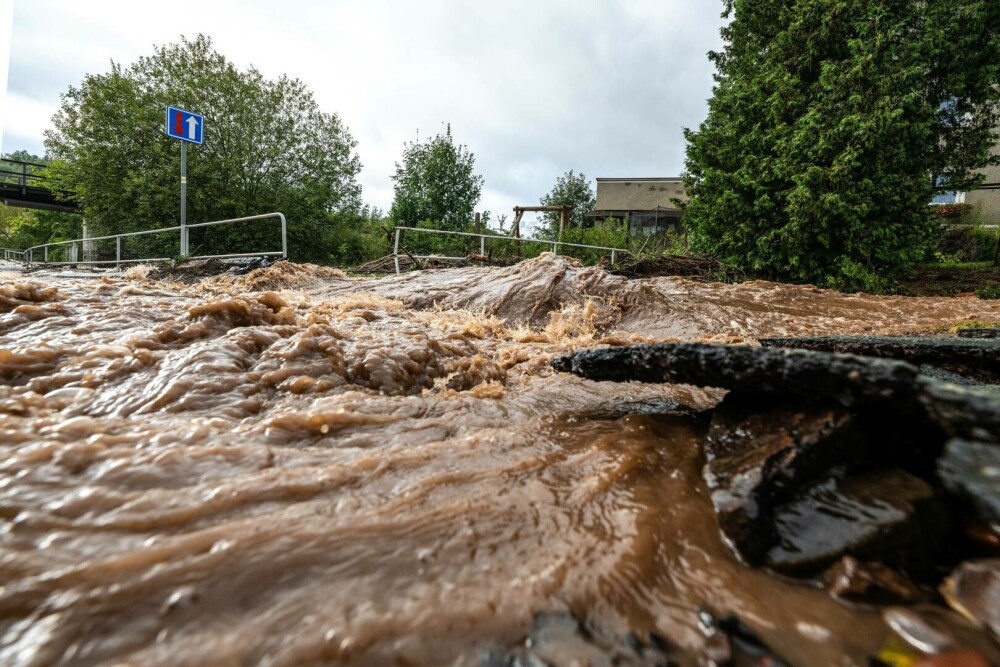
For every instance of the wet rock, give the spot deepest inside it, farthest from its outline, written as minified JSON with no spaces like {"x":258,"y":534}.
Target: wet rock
{"x":889,"y":516}
{"x":729,"y":641}
{"x":973,"y":590}
{"x":972,"y":470}
{"x":871,"y":583}
{"x":971,"y":413}
{"x":977,"y":358}
{"x":846,"y":379}
{"x":759,"y":458}
{"x":558,"y":638}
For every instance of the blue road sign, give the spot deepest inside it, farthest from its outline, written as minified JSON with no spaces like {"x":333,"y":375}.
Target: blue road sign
{"x":185,"y":125}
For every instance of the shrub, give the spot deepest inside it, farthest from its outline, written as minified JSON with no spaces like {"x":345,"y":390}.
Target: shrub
{"x":964,"y":244}
{"x":989,"y":292}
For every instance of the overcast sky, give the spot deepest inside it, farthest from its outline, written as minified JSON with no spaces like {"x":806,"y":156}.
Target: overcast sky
{"x":533,"y":87}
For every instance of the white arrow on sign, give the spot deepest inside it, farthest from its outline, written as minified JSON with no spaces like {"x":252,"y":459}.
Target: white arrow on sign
{"x":192,"y":128}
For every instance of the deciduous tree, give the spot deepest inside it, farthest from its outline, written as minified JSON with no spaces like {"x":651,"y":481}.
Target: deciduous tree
{"x":570,"y":190}
{"x":268,"y":146}
{"x":436,"y":182}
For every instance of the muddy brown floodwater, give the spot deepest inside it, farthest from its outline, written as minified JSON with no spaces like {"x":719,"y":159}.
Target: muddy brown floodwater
{"x":294,"y":467}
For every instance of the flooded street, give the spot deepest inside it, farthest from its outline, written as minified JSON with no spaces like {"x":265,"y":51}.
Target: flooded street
{"x":297,"y":467}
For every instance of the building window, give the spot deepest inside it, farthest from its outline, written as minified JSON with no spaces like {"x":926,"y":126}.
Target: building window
{"x":946,"y":198}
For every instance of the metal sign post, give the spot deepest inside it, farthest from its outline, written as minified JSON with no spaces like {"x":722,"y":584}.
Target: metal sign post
{"x":184,"y":189}
{"x":189,"y":128}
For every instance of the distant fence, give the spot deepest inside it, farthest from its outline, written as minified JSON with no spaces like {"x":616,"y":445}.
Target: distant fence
{"x":97,"y":250}
{"x":493,"y":238}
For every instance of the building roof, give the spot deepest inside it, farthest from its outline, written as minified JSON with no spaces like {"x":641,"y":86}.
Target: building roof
{"x":672,"y":179}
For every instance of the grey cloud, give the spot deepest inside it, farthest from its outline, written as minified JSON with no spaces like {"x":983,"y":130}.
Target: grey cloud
{"x":533,"y":88}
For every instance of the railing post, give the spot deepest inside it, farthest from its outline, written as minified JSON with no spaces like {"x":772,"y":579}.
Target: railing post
{"x":118,"y":251}
{"x":284,"y":236}
{"x":482,"y":246}
{"x":45,"y":250}
{"x":395,"y":251}
{"x":612,"y":258}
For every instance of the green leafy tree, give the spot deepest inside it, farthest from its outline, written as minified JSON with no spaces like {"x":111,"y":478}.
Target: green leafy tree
{"x":22,"y":228}
{"x":436,"y":181}
{"x":570,"y":190}
{"x":268,"y":147}
{"x":830,"y":125}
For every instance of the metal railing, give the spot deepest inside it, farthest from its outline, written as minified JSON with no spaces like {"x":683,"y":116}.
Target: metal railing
{"x":29,"y":255}
{"x":13,"y":255}
{"x":482,"y":244}
{"x":22,"y":174}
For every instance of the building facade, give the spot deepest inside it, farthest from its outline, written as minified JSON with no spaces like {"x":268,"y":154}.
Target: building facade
{"x":649,"y":204}
{"x":985,"y":202}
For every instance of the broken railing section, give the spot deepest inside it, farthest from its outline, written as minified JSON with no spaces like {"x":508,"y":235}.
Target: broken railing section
{"x":83,"y":251}
{"x":863,"y":473}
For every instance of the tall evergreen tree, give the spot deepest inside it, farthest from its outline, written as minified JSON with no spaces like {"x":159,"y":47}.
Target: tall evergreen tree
{"x":831,"y":123}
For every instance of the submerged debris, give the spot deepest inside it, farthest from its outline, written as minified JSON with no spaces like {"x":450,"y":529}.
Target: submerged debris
{"x":974,"y":591}
{"x":559,"y":638}
{"x":731,"y":642}
{"x":692,"y":266}
{"x":871,"y":582}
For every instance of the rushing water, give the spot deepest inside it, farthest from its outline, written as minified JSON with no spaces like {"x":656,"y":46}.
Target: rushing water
{"x":294,"y":467}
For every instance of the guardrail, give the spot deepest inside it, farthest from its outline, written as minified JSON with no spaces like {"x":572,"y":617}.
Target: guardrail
{"x":78,"y":245}
{"x":482,"y":244}
{"x":22,"y":174}
{"x":13,"y":255}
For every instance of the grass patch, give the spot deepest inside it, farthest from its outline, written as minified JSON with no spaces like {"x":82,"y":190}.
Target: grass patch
{"x":960,"y":265}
